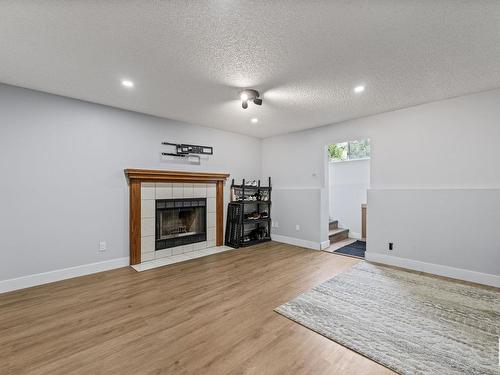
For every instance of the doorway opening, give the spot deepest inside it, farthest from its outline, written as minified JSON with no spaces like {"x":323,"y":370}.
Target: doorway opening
{"x":349,"y":181}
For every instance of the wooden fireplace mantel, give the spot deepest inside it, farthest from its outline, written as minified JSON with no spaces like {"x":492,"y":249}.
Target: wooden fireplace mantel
{"x":137,"y":176}
{"x":148,"y":175}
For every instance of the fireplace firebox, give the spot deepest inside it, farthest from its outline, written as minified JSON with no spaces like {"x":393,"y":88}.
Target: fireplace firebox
{"x":180,"y":222}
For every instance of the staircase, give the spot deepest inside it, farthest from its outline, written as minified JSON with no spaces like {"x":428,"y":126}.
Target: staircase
{"x":337,"y":234}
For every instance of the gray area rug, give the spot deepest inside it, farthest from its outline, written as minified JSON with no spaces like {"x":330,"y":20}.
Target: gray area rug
{"x":410,"y":323}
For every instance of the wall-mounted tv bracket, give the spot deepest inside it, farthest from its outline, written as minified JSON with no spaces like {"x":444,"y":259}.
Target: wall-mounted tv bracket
{"x":183,"y":150}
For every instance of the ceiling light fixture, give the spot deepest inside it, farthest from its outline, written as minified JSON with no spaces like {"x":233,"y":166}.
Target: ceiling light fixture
{"x":359,"y":89}
{"x":254,"y":120}
{"x":127,"y":83}
{"x":250,"y":94}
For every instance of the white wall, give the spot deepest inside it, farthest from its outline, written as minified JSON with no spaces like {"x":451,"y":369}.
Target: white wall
{"x":435,"y":149}
{"x":63,"y":188}
{"x":452,"y":227}
{"x":435,"y":180}
{"x":295,"y":202}
{"x":348,"y":187}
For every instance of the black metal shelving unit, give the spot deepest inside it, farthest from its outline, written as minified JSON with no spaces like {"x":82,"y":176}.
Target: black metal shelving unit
{"x":248,"y":214}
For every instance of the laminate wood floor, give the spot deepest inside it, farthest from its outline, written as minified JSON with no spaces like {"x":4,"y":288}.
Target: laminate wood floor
{"x":211,"y":315}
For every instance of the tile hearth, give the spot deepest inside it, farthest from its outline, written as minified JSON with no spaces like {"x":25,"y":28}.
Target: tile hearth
{"x":160,"y":262}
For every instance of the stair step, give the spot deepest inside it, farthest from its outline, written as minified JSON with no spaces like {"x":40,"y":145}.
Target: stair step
{"x":339,"y":234}
{"x":334,"y":224}
{"x":333,"y":232}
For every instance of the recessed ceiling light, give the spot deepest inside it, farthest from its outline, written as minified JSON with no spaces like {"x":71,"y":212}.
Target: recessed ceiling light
{"x":127,"y":83}
{"x":359,"y":89}
{"x":254,"y":120}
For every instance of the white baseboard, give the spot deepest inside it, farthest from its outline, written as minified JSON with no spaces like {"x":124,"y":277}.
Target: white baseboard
{"x":436,"y":269}
{"x":61,"y":274}
{"x":354,"y":235}
{"x":325,"y":245}
{"x":297,"y":242}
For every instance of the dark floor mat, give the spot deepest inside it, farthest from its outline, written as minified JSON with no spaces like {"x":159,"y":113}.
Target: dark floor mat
{"x":356,"y":249}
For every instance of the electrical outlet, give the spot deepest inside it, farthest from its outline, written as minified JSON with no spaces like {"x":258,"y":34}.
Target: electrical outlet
{"x":297,"y":227}
{"x":391,"y":246}
{"x":276,"y":224}
{"x":102,"y":246}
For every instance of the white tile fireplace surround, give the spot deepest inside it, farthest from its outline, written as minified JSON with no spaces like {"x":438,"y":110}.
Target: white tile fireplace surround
{"x":152,"y":191}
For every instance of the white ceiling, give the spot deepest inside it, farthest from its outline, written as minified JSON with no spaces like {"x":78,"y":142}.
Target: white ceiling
{"x":189,"y":59}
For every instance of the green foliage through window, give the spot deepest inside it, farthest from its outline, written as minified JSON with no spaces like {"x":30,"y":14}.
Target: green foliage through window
{"x":351,"y":150}
{"x":338,"y":151}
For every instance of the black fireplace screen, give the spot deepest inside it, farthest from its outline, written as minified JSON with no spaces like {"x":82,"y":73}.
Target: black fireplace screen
{"x":180,"y":222}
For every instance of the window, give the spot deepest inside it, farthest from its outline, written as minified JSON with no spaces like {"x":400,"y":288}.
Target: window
{"x":352,"y":150}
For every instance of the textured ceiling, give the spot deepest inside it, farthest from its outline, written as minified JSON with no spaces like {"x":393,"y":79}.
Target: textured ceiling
{"x":189,"y":59}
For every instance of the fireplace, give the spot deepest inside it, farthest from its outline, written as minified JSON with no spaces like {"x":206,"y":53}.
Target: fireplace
{"x":180,"y":222}
{"x":148,"y":186}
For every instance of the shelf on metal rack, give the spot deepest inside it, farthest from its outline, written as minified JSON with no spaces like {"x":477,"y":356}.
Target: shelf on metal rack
{"x":235,"y":226}
{"x":253,"y":221}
